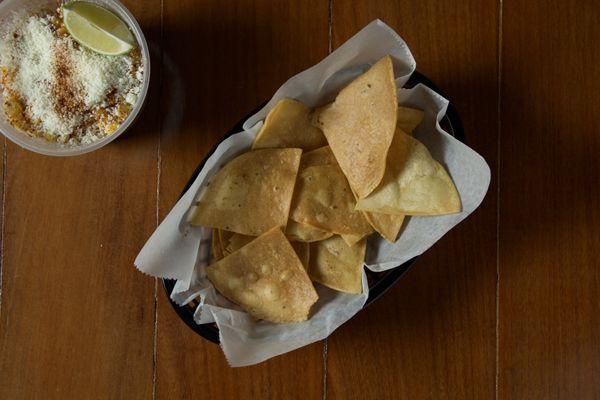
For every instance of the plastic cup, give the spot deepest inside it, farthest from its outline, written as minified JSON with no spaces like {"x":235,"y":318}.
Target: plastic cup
{"x":42,"y":146}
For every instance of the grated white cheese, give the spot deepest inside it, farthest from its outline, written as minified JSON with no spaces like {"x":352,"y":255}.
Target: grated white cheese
{"x":98,"y":74}
{"x":32,"y":59}
{"x":34,"y":52}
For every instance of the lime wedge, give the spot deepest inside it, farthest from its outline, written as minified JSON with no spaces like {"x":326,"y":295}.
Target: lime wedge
{"x":97,"y":28}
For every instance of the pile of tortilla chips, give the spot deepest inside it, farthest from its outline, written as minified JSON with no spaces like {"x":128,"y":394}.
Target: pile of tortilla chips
{"x":299,"y":206}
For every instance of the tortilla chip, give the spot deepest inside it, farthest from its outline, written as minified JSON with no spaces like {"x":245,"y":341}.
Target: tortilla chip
{"x":215,"y":244}
{"x":387,"y":225}
{"x":305,"y":233}
{"x":267,"y":279}
{"x":289,"y":125}
{"x":359,"y":126}
{"x":224,"y":238}
{"x":323,"y":199}
{"x":303,"y":251}
{"x":320,"y":156}
{"x":351,"y":240}
{"x":414,"y":183}
{"x":408,"y":118}
{"x":336,"y":265}
{"x":238,"y":241}
{"x":251,"y":194}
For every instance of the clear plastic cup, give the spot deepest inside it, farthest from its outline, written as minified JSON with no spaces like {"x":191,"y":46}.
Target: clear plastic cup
{"x":39,"y":145}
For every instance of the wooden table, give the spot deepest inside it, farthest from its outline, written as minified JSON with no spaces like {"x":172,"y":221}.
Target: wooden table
{"x":506,"y":306}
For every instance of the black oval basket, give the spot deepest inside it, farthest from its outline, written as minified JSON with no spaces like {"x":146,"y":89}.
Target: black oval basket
{"x":379,"y":282}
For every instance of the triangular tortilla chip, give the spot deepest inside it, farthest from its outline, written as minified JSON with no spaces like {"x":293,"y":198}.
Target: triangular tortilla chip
{"x":303,"y":251}
{"x":321,"y":156}
{"x":359,"y":126}
{"x":351,"y":240}
{"x":216,"y":249}
{"x":267,"y":279}
{"x":324,"y":156}
{"x":251,"y":194}
{"x":323,"y":199}
{"x":414,"y":183}
{"x":387,"y":225}
{"x":305,"y":233}
{"x":224,"y":238}
{"x":289,"y":125}
{"x":408,"y":118}
{"x":336,"y":265}
{"x":237,"y":241}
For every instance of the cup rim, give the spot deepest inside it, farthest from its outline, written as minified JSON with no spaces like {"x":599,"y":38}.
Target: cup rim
{"x":20,"y":138}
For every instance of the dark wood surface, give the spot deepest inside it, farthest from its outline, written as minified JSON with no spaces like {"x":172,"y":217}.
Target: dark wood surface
{"x":549,"y":320}
{"x":505,"y":306}
{"x":433,"y":335}
{"x":76,"y":320}
{"x":243,"y":52}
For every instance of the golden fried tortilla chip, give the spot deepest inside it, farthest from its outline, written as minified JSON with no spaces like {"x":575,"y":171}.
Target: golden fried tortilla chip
{"x":323,"y":199}
{"x":414,"y":183}
{"x":302,"y":249}
{"x":387,"y":225}
{"x":408,"y":118}
{"x":305,"y":233}
{"x":216,"y":250}
{"x":336,"y":265}
{"x":351,"y":240}
{"x":224,"y":238}
{"x":267,"y":279}
{"x":321,"y":156}
{"x":237,"y":241}
{"x":359,"y":126}
{"x":289,"y":125}
{"x":251,"y":194}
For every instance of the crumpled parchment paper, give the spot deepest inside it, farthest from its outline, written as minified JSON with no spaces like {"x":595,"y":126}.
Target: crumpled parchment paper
{"x":179,"y":251}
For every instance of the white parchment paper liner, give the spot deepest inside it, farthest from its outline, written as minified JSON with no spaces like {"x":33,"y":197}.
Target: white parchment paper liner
{"x":178,"y":251}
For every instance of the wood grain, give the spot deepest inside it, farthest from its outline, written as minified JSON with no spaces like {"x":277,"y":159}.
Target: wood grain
{"x":550,"y":202}
{"x":223,"y":59}
{"x":77,"y":320}
{"x":433,"y":335}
